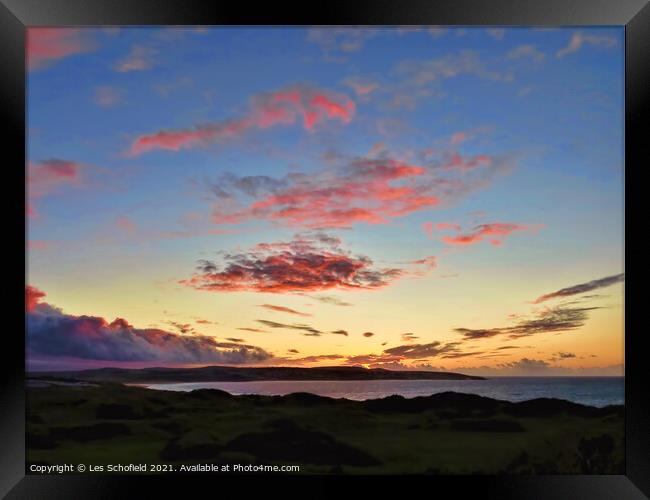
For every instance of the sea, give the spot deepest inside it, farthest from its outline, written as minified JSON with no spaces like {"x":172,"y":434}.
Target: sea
{"x":592,"y":391}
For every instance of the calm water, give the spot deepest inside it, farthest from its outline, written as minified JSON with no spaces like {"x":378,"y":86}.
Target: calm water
{"x":594,"y":391}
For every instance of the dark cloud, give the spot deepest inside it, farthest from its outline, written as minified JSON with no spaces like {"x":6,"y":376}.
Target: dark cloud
{"x":558,"y":319}
{"x":582,"y":287}
{"x":52,"y":333}
{"x":330,"y":300}
{"x":340,"y":332}
{"x":311,"y":359}
{"x":284,"y":309}
{"x":206,"y":322}
{"x":254,"y":330}
{"x":303,"y":264}
{"x":407,"y":337}
{"x":419,"y":351}
{"x":559,"y":356}
{"x":183,"y":328}
{"x":309,"y":330}
{"x":368,"y":334}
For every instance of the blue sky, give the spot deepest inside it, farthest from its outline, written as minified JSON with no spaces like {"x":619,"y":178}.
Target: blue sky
{"x":117,"y":229}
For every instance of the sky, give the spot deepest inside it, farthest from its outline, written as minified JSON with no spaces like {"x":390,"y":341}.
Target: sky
{"x":404,"y":197}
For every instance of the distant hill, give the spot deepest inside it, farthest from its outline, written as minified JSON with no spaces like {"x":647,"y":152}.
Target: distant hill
{"x":239,"y":374}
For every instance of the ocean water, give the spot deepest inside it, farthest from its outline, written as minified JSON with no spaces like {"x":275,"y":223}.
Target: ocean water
{"x":593,"y":391}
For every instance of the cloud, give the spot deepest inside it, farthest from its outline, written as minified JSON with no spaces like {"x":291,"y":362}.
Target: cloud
{"x":496,"y":231}
{"x":363,"y":88}
{"x":557,"y":319}
{"x":33,"y":297}
{"x":579,"y":39}
{"x":284,"y":309}
{"x":531,"y":367}
{"x":52,"y":333}
{"x":48,"y":176}
{"x":559,"y":356}
{"x":582,"y":287}
{"x":496,"y":33}
{"x":183,"y":328}
{"x":334,"y":42}
{"x":254,"y":330}
{"x":301,"y":265}
{"x":45,"y":46}
{"x":421,"y":73}
{"x":286,"y":106}
{"x":309,"y":330}
{"x":420,"y":351}
{"x":427,"y":228}
{"x":328,"y":299}
{"x":126,"y":225}
{"x":312,"y":359}
{"x":360,"y":190}
{"x":368,"y":334}
{"x":106,"y":96}
{"x":409,"y":337}
{"x":141,"y":58}
{"x":526,"y":51}
{"x":340,"y":332}
{"x":444,"y":226}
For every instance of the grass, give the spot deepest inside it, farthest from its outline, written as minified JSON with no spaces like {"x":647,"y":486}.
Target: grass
{"x":321,"y":435}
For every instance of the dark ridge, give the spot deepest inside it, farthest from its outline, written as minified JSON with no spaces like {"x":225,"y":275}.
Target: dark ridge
{"x":245,"y":374}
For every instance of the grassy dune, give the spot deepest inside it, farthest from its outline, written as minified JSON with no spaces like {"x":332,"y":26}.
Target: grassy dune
{"x":449,"y":433}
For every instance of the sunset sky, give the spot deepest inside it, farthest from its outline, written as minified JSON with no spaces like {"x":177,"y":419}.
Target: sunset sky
{"x":432,"y":198}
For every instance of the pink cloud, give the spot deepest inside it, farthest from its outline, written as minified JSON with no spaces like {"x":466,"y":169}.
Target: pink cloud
{"x":301,"y":265}
{"x":106,"y":96}
{"x":32,"y":297}
{"x":499,"y":230}
{"x":427,"y":228}
{"x":443,"y":226}
{"x":47,"y":45}
{"x":283,"y":107}
{"x":366,"y":193}
{"x":457,"y":161}
{"x":126,"y":225}
{"x":48,"y":176}
{"x":362,"y":88}
{"x":37,"y":245}
{"x":139,"y":59}
{"x":458,"y":138}
{"x":51,"y":332}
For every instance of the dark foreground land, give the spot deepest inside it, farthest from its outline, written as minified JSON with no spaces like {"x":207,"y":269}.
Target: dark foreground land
{"x":448,"y":433}
{"x":249,"y":374}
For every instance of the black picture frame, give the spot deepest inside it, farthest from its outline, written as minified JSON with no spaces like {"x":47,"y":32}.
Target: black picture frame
{"x":17,"y":15}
